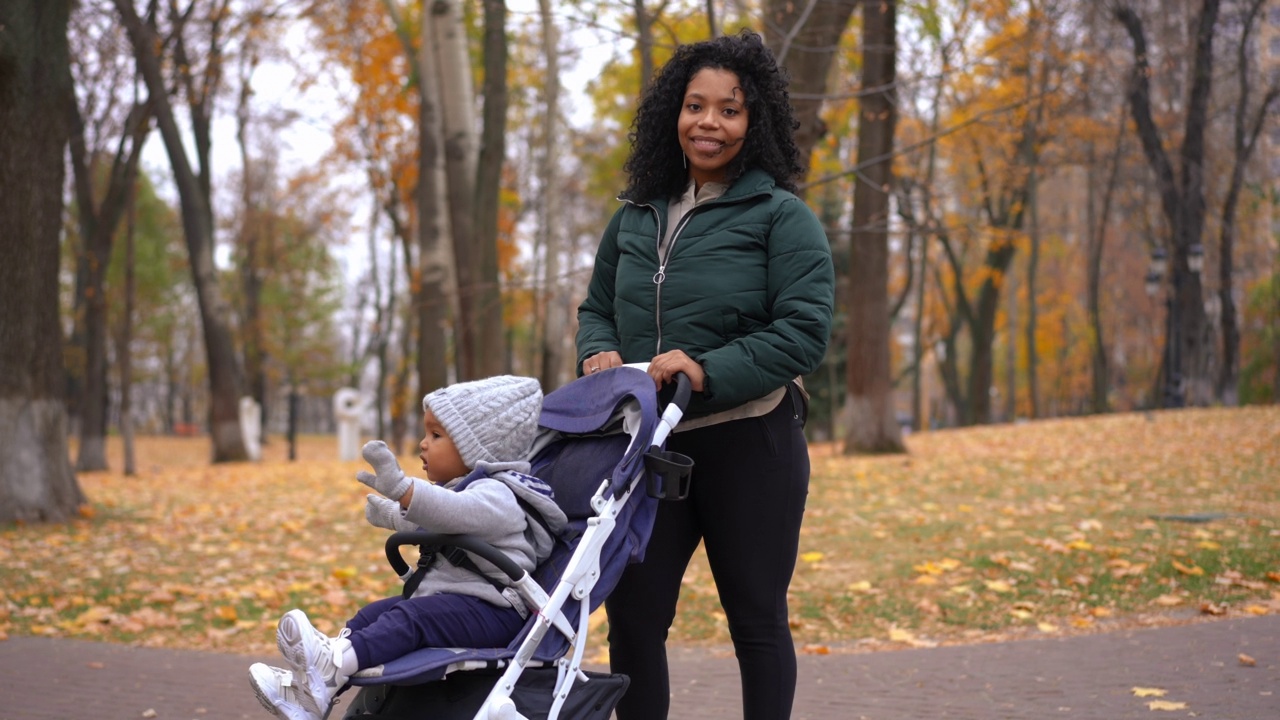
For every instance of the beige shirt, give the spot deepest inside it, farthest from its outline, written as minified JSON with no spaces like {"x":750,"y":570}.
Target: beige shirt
{"x":675,"y":212}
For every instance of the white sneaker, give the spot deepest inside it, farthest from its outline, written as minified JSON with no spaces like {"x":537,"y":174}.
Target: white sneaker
{"x":315,"y":659}
{"x":275,"y":690}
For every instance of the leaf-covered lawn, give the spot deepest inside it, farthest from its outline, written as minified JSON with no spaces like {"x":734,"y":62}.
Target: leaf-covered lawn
{"x":1039,"y":529}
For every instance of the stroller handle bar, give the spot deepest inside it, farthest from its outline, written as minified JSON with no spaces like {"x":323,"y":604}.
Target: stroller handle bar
{"x":430,"y":540}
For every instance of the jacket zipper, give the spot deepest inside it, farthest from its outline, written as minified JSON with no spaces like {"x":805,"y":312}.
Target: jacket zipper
{"x":660,"y":276}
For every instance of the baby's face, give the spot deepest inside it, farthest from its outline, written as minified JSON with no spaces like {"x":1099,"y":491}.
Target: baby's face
{"x":440,"y":459}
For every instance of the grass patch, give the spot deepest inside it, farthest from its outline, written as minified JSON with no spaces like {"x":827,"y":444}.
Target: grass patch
{"x":1046,"y":528}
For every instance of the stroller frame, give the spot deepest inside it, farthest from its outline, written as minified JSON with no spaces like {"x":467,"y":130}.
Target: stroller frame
{"x":667,"y":478}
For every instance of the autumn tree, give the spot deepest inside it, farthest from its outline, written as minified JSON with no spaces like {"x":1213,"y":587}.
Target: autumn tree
{"x":110,"y":122}
{"x":36,"y":479}
{"x":200,"y":78}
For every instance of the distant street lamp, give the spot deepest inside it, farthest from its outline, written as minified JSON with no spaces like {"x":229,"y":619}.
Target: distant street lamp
{"x":1174,"y":397}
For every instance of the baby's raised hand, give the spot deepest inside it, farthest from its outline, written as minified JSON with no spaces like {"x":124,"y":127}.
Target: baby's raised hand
{"x":387,"y":478}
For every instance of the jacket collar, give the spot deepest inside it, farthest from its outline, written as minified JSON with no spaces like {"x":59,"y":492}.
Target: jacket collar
{"x":750,"y":184}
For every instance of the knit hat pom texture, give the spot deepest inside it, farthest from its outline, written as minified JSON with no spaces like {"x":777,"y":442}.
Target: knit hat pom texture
{"x":492,"y":420}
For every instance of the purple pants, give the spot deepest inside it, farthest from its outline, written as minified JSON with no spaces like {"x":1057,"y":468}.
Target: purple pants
{"x":393,"y":627}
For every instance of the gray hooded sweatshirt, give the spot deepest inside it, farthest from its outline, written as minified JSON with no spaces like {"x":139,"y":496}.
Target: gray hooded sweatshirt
{"x":486,"y":507}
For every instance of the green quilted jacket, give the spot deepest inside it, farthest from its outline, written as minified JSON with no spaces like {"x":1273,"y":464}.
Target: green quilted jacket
{"x":746,"y":289}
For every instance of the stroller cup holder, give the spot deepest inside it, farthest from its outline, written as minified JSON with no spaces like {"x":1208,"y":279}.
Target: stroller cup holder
{"x":669,"y":474}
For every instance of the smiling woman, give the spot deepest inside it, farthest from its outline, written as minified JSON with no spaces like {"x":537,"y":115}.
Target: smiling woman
{"x":712,"y":124}
{"x":715,"y":269}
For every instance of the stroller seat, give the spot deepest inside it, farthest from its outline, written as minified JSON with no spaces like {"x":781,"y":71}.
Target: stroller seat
{"x":600,"y":437}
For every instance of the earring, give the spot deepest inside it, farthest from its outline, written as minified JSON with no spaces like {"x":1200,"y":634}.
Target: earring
{"x":684,"y":160}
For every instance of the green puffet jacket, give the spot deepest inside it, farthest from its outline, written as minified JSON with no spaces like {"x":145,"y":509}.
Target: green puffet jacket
{"x":746,"y":289}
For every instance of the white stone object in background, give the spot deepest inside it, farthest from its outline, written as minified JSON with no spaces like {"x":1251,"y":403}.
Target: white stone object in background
{"x":251,"y":427}
{"x":348,"y":406}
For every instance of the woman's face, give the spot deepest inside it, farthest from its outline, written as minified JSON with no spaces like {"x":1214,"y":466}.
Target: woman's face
{"x":713,"y":123}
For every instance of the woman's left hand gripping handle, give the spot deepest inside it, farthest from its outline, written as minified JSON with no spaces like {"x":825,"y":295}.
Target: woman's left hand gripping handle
{"x":388,"y":479}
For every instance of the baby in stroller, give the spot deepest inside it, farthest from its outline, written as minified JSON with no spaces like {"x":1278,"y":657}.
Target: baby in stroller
{"x":477,"y":436}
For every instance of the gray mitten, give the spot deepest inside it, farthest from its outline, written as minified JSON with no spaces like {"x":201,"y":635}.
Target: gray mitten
{"x":384,"y":513}
{"x":389,"y":479}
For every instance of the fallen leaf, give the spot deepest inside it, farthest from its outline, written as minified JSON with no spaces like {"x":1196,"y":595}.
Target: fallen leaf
{"x":1166,"y":705}
{"x":1246,"y":660}
{"x":1208,"y":608}
{"x":817,"y":649}
{"x":149,"y":713}
{"x":1149,"y":692}
{"x":999,"y":586}
{"x":1187,"y":569}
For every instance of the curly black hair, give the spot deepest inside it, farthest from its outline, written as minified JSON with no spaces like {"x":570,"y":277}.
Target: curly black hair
{"x":655,"y":168}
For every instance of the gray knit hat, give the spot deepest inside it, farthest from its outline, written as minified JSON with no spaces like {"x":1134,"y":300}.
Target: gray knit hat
{"x":493,"y":420}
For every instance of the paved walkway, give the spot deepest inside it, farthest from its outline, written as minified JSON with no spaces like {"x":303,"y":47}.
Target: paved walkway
{"x":1082,"y":678}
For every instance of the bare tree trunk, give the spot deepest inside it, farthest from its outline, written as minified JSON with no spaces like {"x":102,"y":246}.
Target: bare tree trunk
{"x":644,"y":43}
{"x":552,"y":223}
{"x":804,"y":36}
{"x":36,"y":479}
{"x":98,"y":224}
{"x":252,"y":264}
{"x":1033,"y":263}
{"x":492,"y":336}
{"x":123,"y":353}
{"x":1011,"y":350}
{"x":197,"y":223}
{"x":1182,"y":198}
{"x":1245,"y":141}
{"x":872,"y":425}
{"x":1097,"y":222}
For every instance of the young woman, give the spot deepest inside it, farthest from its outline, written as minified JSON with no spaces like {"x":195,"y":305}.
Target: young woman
{"x":714,"y":268}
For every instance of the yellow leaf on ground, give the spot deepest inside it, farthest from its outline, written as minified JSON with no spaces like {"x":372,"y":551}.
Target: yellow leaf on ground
{"x":226,"y":612}
{"x":1187,"y":569}
{"x":812,"y":556}
{"x":1168,"y":600}
{"x":999,"y":586}
{"x":1166,"y":705}
{"x":900,"y":635}
{"x":1047,"y":628}
{"x":860,"y":587}
{"x":1257,"y":609}
{"x":1246,"y":660}
{"x":1149,"y":692}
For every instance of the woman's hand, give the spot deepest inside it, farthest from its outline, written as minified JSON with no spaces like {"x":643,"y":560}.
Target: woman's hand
{"x":663,"y":369}
{"x":601,"y":361}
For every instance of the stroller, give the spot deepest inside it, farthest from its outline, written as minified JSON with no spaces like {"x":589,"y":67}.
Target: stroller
{"x":599,"y":447}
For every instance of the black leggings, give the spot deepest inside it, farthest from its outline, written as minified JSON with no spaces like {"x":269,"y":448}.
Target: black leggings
{"x":746,"y":502}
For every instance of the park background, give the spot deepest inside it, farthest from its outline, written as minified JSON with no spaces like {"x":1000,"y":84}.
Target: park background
{"x":1040,"y":210}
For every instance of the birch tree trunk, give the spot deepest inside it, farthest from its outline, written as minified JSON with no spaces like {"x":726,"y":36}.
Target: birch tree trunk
{"x":461,"y":150}
{"x":433,"y":222}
